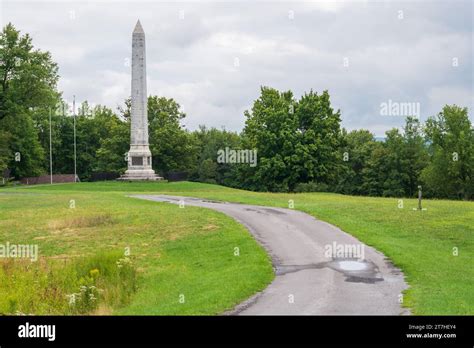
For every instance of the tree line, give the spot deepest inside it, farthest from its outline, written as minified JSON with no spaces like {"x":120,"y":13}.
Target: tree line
{"x":299,"y":142}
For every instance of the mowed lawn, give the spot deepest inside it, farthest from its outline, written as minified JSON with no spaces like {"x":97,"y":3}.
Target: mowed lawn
{"x":185,"y":258}
{"x":434,"y":248}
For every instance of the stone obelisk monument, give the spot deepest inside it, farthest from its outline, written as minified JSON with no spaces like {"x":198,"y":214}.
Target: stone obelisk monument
{"x":139,"y":156}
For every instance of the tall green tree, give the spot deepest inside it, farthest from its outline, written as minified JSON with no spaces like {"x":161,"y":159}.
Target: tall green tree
{"x":5,"y":152}
{"x":376,"y":171}
{"x":92,"y":128}
{"x":450,"y":173}
{"x":318,"y":155}
{"x":415,"y":155}
{"x":111,"y":156}
{"x":208,"y":142}
{"x":297,"y":141}
{"x":270,"y":128}
{"x":171,"y":145}
{"x":28,"y":79}
{"x":395,"y":166}
{"x":357,"y":150}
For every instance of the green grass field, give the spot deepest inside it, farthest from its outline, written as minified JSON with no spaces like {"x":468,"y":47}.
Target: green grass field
{"x":184,"y":257}
{"x":190,"y":251}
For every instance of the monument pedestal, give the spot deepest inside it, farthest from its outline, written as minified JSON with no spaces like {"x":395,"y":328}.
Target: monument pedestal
{"x":138,"y":175}
{"x":139,"y":165}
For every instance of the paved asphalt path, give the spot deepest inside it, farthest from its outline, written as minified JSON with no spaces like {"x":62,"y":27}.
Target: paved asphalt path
{"x":308,"y":281}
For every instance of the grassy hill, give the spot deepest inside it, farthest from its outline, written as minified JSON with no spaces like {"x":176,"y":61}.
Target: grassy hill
{"x":190,"y":251}
{"x":184,"y":258}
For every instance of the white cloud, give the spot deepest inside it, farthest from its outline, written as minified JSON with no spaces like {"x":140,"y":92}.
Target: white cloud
{"x":441,"y":95}
{"x":192,"y":59}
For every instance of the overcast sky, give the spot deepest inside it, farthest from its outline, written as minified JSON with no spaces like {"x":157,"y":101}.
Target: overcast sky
{"x":213,"y":56}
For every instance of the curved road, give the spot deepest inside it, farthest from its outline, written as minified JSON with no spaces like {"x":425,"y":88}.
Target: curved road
{"x":319,"y":268}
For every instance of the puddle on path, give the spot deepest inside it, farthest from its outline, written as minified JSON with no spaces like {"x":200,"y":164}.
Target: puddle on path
{"x":354,"y":270}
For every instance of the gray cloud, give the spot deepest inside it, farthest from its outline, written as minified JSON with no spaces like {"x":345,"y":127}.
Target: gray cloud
{"x":286,"y":45}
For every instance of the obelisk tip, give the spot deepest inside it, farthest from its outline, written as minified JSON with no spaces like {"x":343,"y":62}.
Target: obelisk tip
{"x":138,"y":28}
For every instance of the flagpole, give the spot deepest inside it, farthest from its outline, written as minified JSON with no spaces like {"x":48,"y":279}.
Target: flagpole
{"x":50,"y":149}
{"x":75,"y":158}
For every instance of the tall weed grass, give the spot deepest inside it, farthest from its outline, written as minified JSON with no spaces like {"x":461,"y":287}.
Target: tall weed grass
{"x":95,"y":284}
